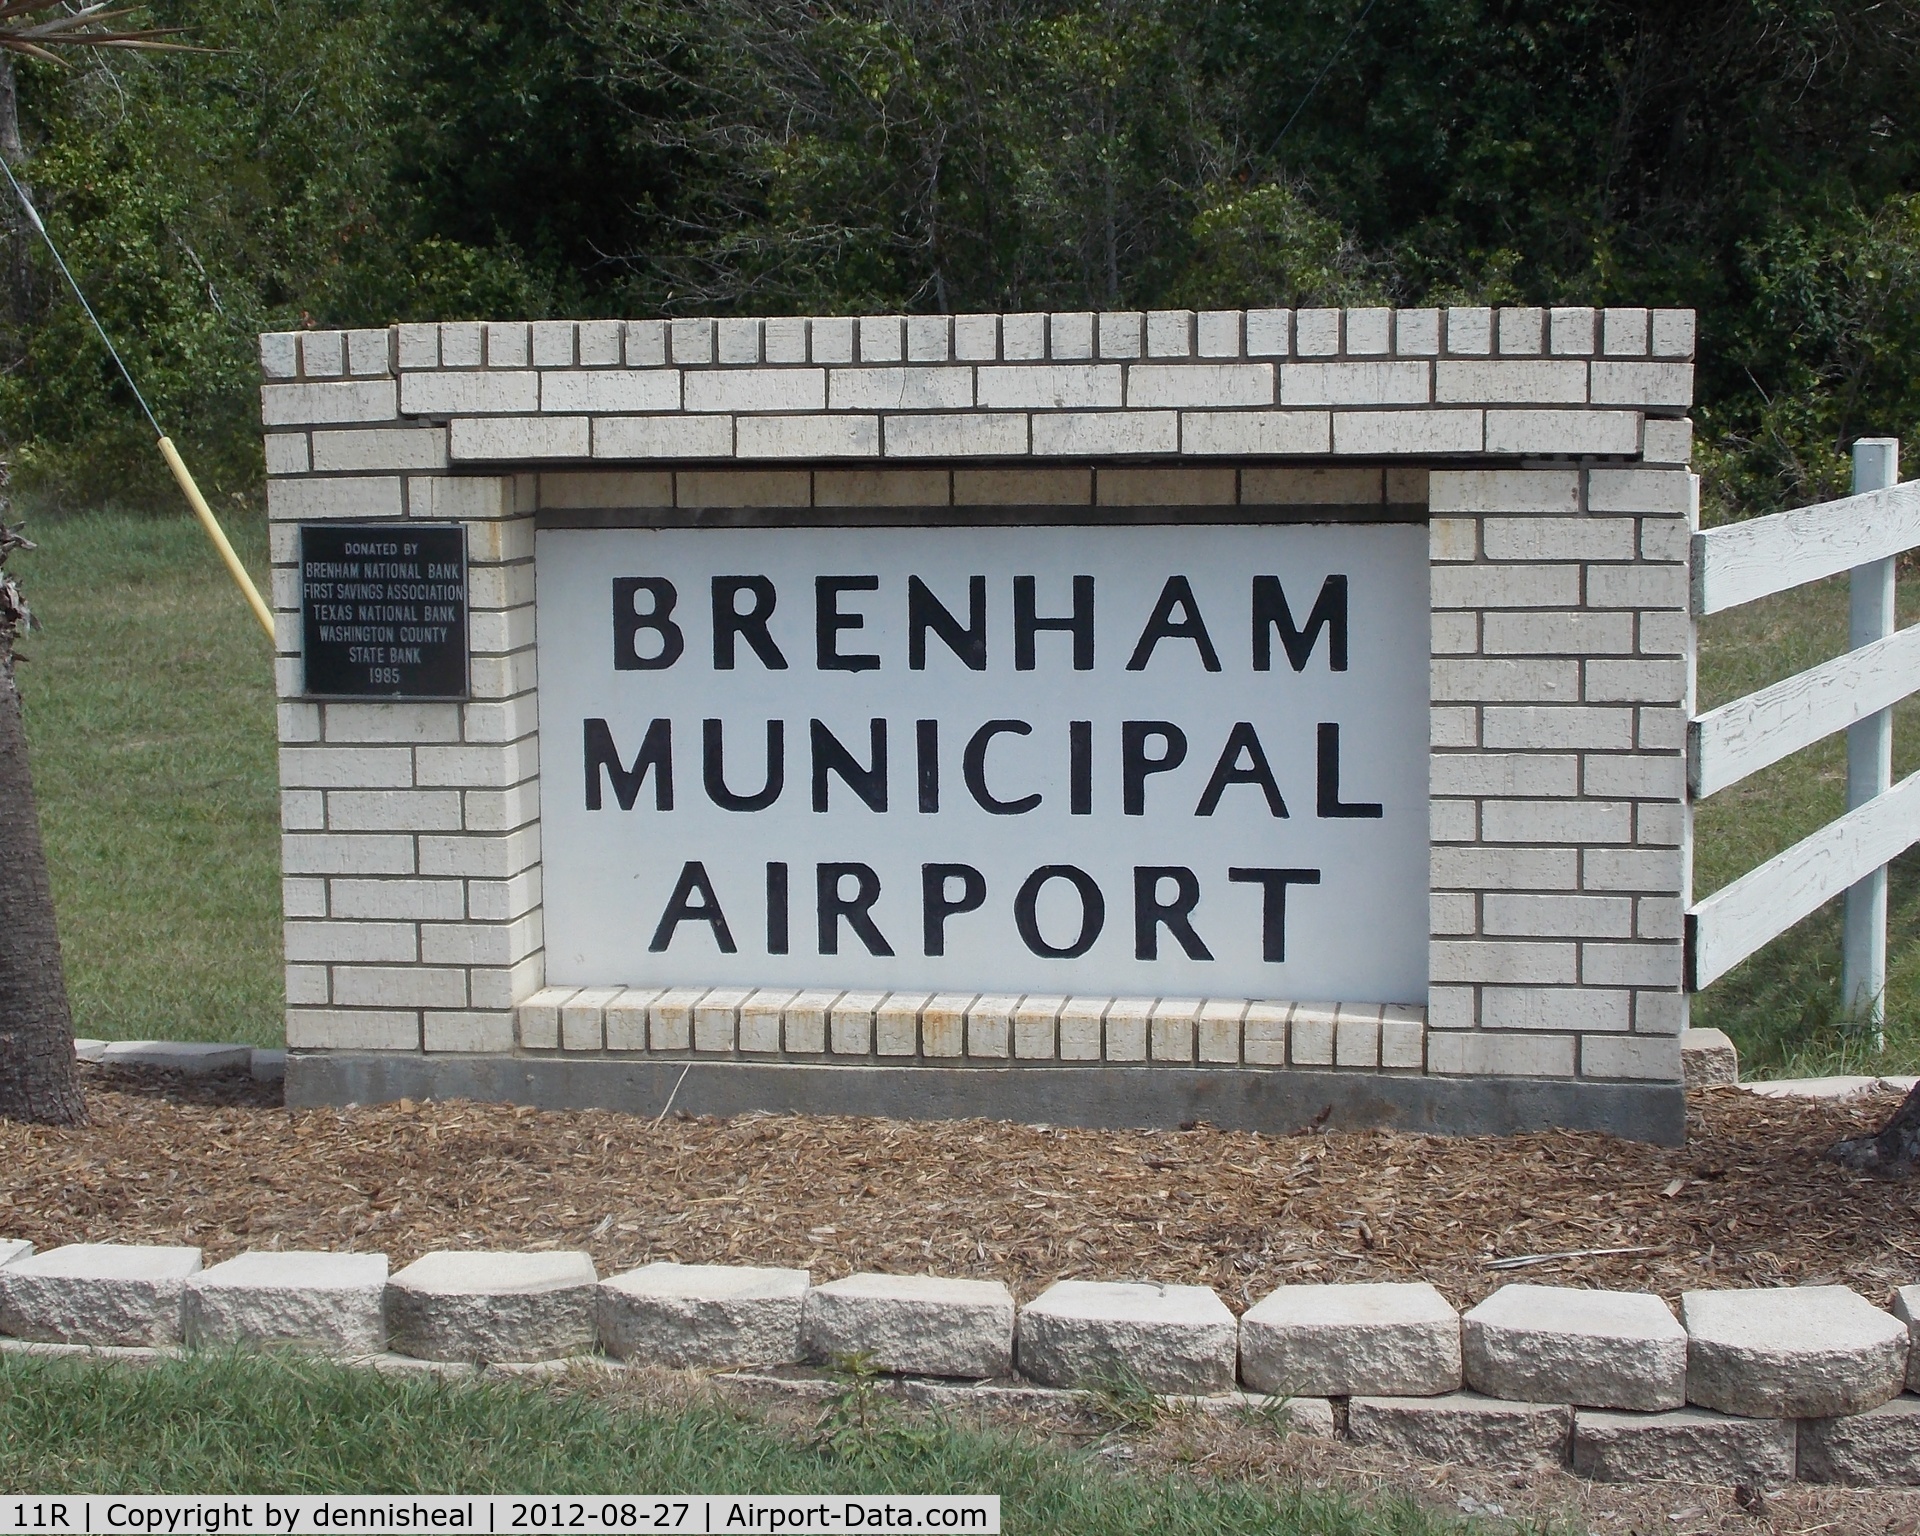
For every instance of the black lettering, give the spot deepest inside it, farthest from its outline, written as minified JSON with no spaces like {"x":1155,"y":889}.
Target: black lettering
{"x":713,"y":769}
{"x":1026,"y":624}
{"x":1151,"y":914}
{"x":829,"y":756}
{"x":1079,"y":767}
{"x":936,"y":906}
{"x":926,"y":612}
{"x":1270,"y":612}
{"x":776,"y":908}
{"x":628,"y":621}
{"x":1161,"y":625}
{"x":857,"y":909}
{"x":1135,"y":765}
{"x":926,"y":739}
{"x":682,"y":908}
{"x":1273,"y":885}
{"x":828,"y":621}
{"x":729,"y":623}
{"x":1093,"y":911}
{"x":656,"y":754}
{"x":1329,"y":803}
{"x":973,"y":768}
{"x":1242,"y":739}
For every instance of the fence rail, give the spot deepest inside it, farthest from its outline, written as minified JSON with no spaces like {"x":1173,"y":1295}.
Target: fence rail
{"x":1854,"y":692}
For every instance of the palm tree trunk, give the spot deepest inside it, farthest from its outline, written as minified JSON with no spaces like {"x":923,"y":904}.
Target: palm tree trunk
{"x":37,"y":1078}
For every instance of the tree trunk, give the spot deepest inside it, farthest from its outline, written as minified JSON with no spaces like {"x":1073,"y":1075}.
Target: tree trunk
{"x":16,"y":249}
{"x":37,"y":1078}
{"x":1892,"y":1152}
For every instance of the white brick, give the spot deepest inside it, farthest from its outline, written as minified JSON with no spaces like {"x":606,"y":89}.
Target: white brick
{"x":1218,"y":333}
{"x":1403,"y":1038}
{"x":1550,"y":917}
{"x":362,"y":497}
{"x":1654,"y":384}
{"x":1080,"y":1028}
{"x":1664,"y":538}
{"x":1540,"y":680}
{"x":1311,"y":1036}
{"x":757,"y":389}
{"x":738,"y":341}
{"x":1660,"y":1013}
{"x":1625,"y":332}
{"x":1170,"y":333}
{"x":1451,"y":1008}
{"x":1489,"y":586}
{"x":1557,"y":728}
{"x":1393,"y":432}
{"x":1469,"y":332}
{"x":287,"y":453}
{"x":850,"y":1023}
{"x":1570,"y":332}
{"x":599,"y":343}
{"x":1480,"y":869}
{"x":943,"y":1024}
{"x":996,"y":436}
{"x":1035,"y":1026}
{"x":1673,"y":333}
{"x":929,"y":338}
{"x":485,"y":439}
{"x":468,"y":1031}
{"x":1576,"y":1009}
{"x":610,"y":390}
{"x":346,"y":767}
{"x":1644,"y":682}
{"x":279,"y":354}
{"x":1630,"y":965}
{"x":391,"y":448}
{"x":1125,"y":1028}
{"x":1316,"y":332}
{"x":1356,"y":1036}
{"x":318,"y":943}
{"x":469,"y":393}
{"x":807,"y":437}
{"x":1264,"y":1034}
{"x":1641,"y":490}
{"x":896,"y":1023}
{"x":1563,"y":432}
{"x":1170,"y":1028}
{"x":1532,"y":491}
{"x":1504,"y":773}
{"x":1121,"y":333}
{"x":900,"y":389}
{"x":1453,"y":726}
{"x":1217,"y":1030}
{"x":805,"y":1021}
{"x":1557,"y":821}
{"x":1078,"y":434}
{"x":716,"y":1019}
{"x":398,"y":986}
{"x":1644,"y":777}
{"x":1347,"y":384}
{"x":1070,"y":336}
{"x":506,"y":344}
{"x":1502,"y":383}
{"x":1473,"y":1054}
{"x":461,"y":345}
{"x":1249,"y":433}
{"x":1569,"y":632}
{"x":477,"y":767}
{"x":976,"y":338}
{"x":1050,"y":387}
{"x":467,"y":498}
{"x":1453,"y":821}
{"x":539,"y":1018}
{"x":1023,"y":336}
{"x":303,"y":896}
{"x":690,"y":341}
{"x":481,"y":858}
{"x":1631,"y":869}
{"x":307,"y":984}
{"x":1667,"y":441}
{"x":481,"y":943}
{"x":1522,"y":332}
{"x":1269,"y":332}
{"x":323,"y":354}
{"x":1559,"y":538}
{"x":393,"y":810}
{"x":499,"y":901}
{"x":663,"y":437}
{"x":1200,"y":384}
{"x":1416,"y":332}
{"x":414,"y":900}
{"x":1655,"y":1058}
{"x":332,"y":854}
{"x":882,"y":339}
{"x":352,"y":1029}
{"x":1659,"y":917}
{"x":492,"y":988}
{"x":1369,"y":332}
{"x":1505,"y":960}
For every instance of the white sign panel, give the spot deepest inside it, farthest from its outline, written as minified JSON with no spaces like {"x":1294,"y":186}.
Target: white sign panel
{"x":1119,"y":760}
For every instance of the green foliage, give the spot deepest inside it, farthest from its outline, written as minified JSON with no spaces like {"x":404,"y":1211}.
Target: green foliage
{"x":362,"y":161}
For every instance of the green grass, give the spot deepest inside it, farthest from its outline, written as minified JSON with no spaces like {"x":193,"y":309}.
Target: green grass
{"x":149,"y":701}
{"x":150,"y":709}
{"x":236,"y":1424}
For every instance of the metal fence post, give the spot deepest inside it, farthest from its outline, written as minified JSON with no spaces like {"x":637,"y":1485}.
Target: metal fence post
{"x":1876,"y":467}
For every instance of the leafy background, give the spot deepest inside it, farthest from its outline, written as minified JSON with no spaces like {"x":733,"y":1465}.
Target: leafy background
{"x":356,"y":162}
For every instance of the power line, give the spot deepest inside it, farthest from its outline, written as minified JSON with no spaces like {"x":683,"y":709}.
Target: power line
{"x":1339,"y":48}
{"x":33,"y":214}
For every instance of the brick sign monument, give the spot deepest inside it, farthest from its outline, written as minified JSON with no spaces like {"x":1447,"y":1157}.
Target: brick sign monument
{"x":1112,"y":718}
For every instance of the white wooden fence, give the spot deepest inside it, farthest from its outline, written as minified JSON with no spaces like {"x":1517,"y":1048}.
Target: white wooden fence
{"x":1855,"y":692}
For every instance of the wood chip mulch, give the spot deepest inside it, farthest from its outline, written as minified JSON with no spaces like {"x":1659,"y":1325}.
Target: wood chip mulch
{"x":221,"y":1164}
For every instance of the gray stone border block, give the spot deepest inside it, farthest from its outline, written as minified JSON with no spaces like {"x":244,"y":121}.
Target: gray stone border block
{"x":1906,"y":1307}
{"x":1464,"y":1428}
{"x":1171,"y":1338}
{"x":921,"y":1325}
{"x":488,"y":1306}
{"x":328,"y":1302}
{"x":1876,"y":1449}
{"x":703,"y":1315}
{"x":1563,"y":1344}
{"x":1373,"y":1340}
{"x":1800,"y":1352}
{"x":96,"y":1293}
{"x":14,"y":1248}
{"x":1685,"y":1445}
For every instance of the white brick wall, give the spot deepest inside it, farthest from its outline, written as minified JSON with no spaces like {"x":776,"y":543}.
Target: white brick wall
{"x":1560,"y":511}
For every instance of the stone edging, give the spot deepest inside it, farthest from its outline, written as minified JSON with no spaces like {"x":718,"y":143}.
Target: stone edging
{"x":1756,"y":1387}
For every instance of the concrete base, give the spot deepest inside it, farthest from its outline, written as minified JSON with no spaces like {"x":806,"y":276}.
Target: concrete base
{"x":1234,"y":1098}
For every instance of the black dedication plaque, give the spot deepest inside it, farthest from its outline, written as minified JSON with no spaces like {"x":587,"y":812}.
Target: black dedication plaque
{"x":383,"y":610}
